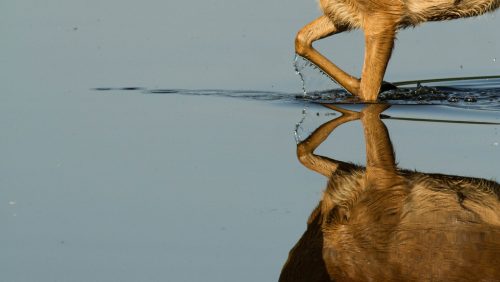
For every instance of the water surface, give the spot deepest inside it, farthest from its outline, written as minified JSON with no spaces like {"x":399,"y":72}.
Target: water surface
{"x":129,"y":185}
{"x":156,"y":178}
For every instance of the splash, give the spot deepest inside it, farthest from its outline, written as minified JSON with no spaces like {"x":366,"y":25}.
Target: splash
{"x":298,"y":71}
{"x":478,"y":94}
{"x":298,"y":126}
{"x":312,"y":78}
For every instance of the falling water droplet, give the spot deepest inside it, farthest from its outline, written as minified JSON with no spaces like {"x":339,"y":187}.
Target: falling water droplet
{"x":470,"y":99}
{"x":298,"y":125}
{"x":296,"y":133}
{"x":494,"y":60}
{"x":12,"y":203}
{"x":297,"y":71}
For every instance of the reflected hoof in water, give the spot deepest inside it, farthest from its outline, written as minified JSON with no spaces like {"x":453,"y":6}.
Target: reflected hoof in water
{"x":383,"y":223}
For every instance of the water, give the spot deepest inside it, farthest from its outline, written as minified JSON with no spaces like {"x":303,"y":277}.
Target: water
{"x":126,"y":156}
{"x":470,"y":94}
{"x":145,"y":184}
{"x":134,"y":183}
{"x":384,"y":222}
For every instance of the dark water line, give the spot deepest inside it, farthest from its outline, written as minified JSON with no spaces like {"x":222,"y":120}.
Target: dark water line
{"x":442,"y":120}
{"x":447,"y":79}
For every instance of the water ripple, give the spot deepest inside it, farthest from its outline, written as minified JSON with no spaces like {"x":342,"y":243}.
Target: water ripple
{"x":474,"y":94}
{"x":473,"y":98}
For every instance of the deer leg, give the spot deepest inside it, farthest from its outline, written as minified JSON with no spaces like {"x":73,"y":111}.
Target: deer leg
{"x":380,"y":159}
{"x":379,"y":42}
{"x":305,"y":149}
{"x":318,"y":29}
{"x":379,"y":151}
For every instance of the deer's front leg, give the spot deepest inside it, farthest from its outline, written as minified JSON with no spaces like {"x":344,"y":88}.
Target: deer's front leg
{"x":318,"y":29}
{"x":381,"y":168}
{"x":380,"y":33}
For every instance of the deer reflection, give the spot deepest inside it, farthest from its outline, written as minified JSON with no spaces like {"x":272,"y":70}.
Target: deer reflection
{"x":382,"y":223}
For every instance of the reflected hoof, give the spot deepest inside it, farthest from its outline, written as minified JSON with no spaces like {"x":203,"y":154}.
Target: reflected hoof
{"x":375,"y":110}
{"x":386,"y":86}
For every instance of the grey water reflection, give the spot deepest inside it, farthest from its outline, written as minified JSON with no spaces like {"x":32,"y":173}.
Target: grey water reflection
{"x":384,"y":223}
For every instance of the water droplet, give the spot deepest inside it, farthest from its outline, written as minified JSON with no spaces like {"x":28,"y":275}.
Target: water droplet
{"x":470,"y":99}
{"x":12,"y":203}
{"x":298,"y":125}
{"x":494,"y":60}
{"x":299,"y":73}
{"x":495,"y":144}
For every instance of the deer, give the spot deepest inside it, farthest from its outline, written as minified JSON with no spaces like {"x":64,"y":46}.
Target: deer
{"x":384,"y":223}
{"x":380,"y":20}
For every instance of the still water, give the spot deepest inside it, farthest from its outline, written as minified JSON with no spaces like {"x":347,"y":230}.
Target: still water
{"x":136,"y":181}
{"x":132,"y":184}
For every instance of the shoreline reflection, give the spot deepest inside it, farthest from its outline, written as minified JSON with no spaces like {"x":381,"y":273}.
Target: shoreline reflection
{"x":383,"y":223}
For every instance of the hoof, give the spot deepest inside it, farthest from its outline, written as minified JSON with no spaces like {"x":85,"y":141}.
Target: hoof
{"x":386,"y":86}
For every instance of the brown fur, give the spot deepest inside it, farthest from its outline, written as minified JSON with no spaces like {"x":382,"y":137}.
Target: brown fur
{"x":380,"y":19}
{"x":382,"y":223}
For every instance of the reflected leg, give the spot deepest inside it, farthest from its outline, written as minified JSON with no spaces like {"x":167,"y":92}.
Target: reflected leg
{"x":380,"y":158}
{"x":305,"y":149}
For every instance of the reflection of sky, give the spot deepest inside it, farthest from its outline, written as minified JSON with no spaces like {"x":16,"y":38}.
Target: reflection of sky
{"x":128,"y":187}
{"x":210,"y":44}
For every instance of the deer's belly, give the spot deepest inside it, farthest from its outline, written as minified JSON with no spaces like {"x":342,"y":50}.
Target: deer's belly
{"x":345,"y":13}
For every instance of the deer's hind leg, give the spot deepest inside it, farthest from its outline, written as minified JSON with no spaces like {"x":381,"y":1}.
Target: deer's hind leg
{"x":305,"y":149}
{"x":320,"y":28}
